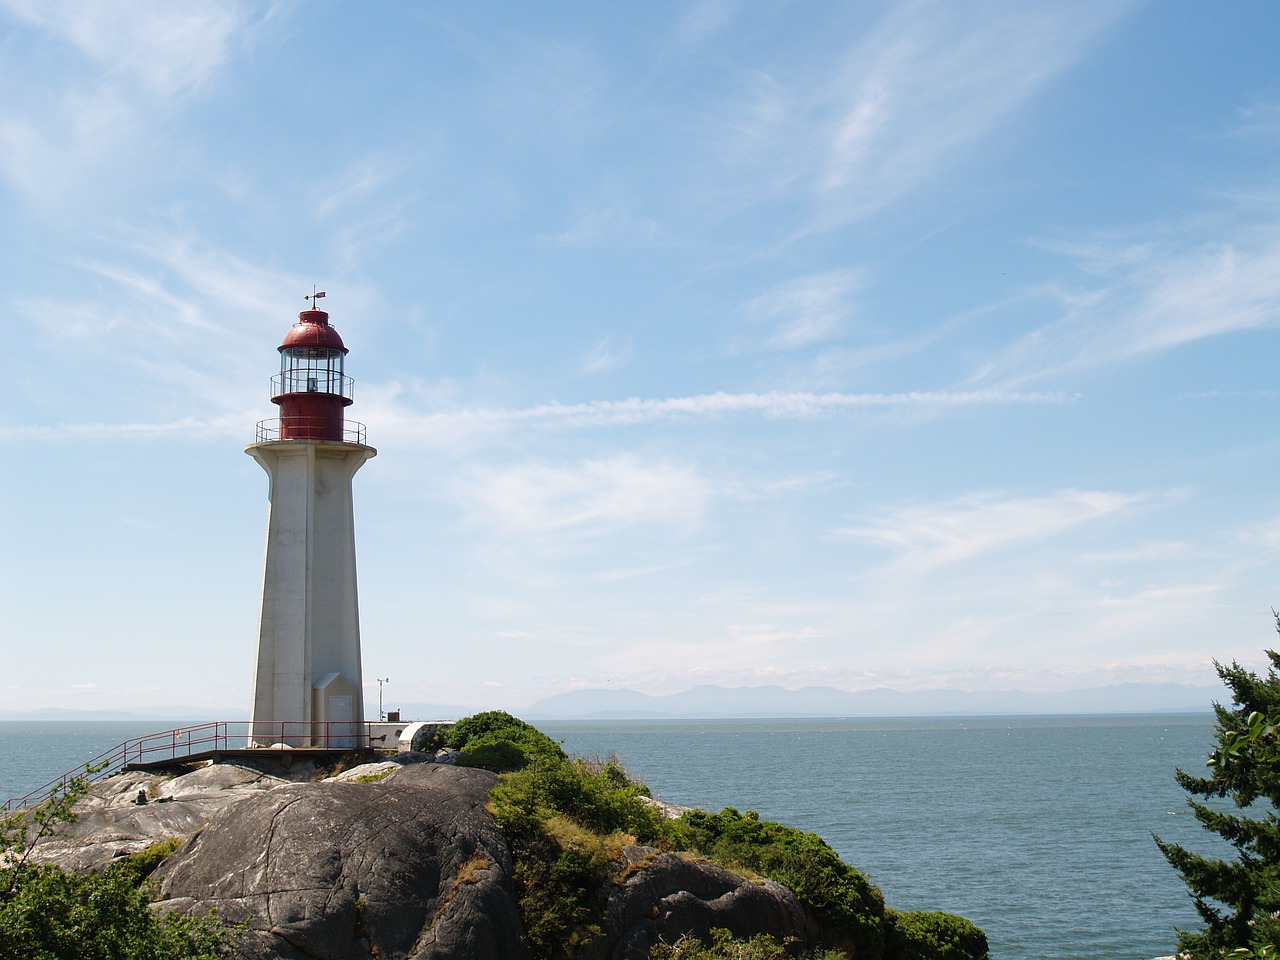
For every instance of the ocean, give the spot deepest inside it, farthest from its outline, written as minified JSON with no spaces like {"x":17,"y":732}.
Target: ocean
{"x":1038,"y":829}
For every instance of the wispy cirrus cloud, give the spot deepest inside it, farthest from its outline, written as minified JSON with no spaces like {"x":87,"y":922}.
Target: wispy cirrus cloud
{"x":388,"y":408}
{"x":605,"y":356}
{"x":124,"y":65}
{"x":159,"y":48}
{"x":383,"y":405}
{"x":605,"y":227}
{"x":190,"y":428}
{"x":1258,"y":120}
{"x":585,"y":500}
{"x":774,"y":403}
{"x":933,"y":534}
{"x":914,"y":95}
{"x":930,"y":81}
{"x":1149,"y":298}
{"x":175,"y":289}
{"x":805,"y":310}
{"x":366,"y":206}
{"x":179,"y":318}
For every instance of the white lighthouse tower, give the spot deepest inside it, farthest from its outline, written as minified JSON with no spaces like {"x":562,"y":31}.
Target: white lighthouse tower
{"x":308,"y":688}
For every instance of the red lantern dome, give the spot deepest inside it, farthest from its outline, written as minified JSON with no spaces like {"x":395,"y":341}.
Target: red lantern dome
{"x":313,"y":330}
{"x":311,"y":389}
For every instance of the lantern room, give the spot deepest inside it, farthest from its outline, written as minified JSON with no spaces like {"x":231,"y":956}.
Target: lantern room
{"x":311,"y":389}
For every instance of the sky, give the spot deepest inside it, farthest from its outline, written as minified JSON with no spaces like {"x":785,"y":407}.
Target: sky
{"x":914,"y":345}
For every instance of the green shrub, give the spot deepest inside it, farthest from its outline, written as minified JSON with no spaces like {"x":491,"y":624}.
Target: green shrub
{"x":498,"y":722}
{"x":725,"y":947}
{"x":567,"y":821}
{"x":143,"y":864}
{"x":49,"y":914}
{"x":933,"y":936}
{"x":497,"y":741}
{"x":500,"y":756}
{"x":53,"y":915}
{"x":598,"y":796}
{"x":838,"y":896}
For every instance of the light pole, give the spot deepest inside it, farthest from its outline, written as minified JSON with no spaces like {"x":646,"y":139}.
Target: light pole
{"x":381,"y":713}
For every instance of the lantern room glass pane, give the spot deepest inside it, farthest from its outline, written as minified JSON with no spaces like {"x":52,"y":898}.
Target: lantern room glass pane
{"x":311,"y":370}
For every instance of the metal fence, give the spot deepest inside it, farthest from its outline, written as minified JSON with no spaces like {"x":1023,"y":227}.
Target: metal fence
{"x":353,"y":431}
{"x":313,"y":380}
{"x":261,"y":737}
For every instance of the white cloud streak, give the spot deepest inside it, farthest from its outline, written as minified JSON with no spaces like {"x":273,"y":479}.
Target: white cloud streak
{"x":188,"y":427}
{"x":1156,"y":298}
{"x":594,"y":498}
{"x":941,"y":533}
{"x":159,"y":48}
{"x":182,"y":294}
{"x":930,"y":81}
{"x":905,"y":104}
{"x":605,"y":357}
{"x":805,"y":310}
{"x":774,"y":404}
{"x":383,"y":409}
{"x":127,"y":64}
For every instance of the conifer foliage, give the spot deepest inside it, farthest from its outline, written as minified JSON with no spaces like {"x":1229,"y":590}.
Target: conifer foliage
{"x":1238,"y":898}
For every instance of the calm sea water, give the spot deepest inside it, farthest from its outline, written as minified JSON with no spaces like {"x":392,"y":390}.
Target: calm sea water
{"x":1036,"y":828}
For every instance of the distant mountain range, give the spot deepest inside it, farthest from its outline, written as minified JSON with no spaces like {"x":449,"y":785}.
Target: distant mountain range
{"x":774,"y":701}
{"x":763,"y":701}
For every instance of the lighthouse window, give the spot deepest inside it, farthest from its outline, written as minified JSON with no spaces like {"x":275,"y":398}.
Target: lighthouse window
{"x":313,"y":370}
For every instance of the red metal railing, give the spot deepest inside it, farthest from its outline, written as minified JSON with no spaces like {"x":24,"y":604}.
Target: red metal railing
{"x":352,"y":430}
{"x":313,"y":380}
{"x":262,"y":736}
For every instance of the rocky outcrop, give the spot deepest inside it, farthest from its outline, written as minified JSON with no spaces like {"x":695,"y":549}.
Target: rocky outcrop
{"x":130,"y":811}
{"x":664,"y":896}
{"x":411,"y":864}
{"x":389,"y":860}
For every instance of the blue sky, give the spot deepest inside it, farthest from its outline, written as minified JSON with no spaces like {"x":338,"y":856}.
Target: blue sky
{"x":920,"y":345}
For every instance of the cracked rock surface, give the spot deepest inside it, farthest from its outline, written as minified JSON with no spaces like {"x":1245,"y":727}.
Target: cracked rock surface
{"x":409,"y":865}
{"x":388,"y":860}
{"x":665,"y":896}
{"x":111,"y":823}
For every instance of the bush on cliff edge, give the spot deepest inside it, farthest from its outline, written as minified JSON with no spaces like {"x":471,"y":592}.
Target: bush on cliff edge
{"x":932,"y":936}
{"x":847,"y":905}
{"x":497,"y":741}
{"x":567,"y":821}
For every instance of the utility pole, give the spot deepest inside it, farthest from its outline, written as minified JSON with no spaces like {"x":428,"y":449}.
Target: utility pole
{"x":382,"y":714}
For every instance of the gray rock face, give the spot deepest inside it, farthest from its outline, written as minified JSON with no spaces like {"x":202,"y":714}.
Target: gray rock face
{"x":664,"y":896}
{"x":388,"y":860}
{"x":409,"y":865}
{"x":112,"y":823}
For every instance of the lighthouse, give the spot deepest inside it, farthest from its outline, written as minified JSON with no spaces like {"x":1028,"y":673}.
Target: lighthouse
{"x":308,"y":688}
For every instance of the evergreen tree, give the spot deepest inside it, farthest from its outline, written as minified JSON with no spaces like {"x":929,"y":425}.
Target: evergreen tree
{"x":1238,"y":899}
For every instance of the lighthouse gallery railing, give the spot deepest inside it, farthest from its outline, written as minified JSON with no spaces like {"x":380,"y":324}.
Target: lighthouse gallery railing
{"x":219,"y":736}
{"x":353,"y":431}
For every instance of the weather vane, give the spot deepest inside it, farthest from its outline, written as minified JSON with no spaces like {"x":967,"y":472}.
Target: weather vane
{"x":313,"y":296}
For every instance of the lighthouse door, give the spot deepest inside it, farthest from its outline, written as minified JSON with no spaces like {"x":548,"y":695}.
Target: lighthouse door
{"x":341,"y":715}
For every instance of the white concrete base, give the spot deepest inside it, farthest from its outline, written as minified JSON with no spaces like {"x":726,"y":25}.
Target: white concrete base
{"x":308,"y":666}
